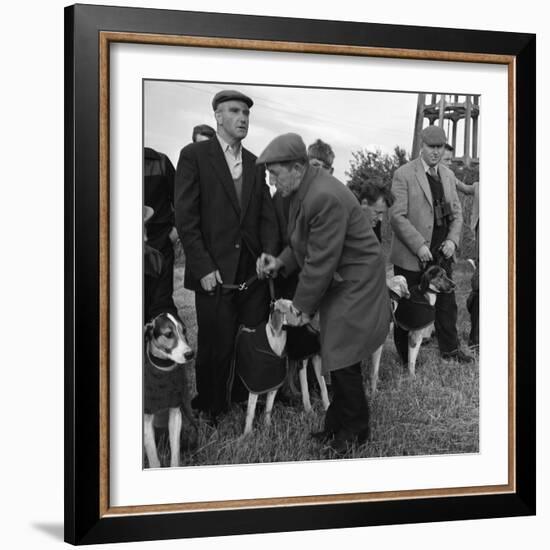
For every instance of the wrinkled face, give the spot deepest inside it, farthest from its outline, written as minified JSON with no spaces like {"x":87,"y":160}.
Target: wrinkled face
{"x":232,"y":118}
{"x":375,"y":210}
{"x":285,"y":179}
{"x":431,"y":154}
{"x":447,"y":157}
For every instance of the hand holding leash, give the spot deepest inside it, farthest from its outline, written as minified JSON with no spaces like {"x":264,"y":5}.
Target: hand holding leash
{"x":209,"y":282}
{"x":424,"y":254}
{"x":448,"y":248}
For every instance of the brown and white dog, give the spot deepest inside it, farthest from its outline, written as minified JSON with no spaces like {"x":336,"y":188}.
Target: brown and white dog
{"x":167,"y":355}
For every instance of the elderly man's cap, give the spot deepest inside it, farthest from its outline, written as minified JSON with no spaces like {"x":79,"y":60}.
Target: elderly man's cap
{"x":433,"y":135}
{"x":283,"y":148}
{"x":229,"y":95}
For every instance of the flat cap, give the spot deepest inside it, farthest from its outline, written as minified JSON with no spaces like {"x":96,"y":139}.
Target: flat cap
{"x":433,"y":135}
{"x":282,"y":148}
{"x":228,"y":95}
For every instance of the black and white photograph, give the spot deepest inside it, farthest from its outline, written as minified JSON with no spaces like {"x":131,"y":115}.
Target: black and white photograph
{"x":310,"y":273}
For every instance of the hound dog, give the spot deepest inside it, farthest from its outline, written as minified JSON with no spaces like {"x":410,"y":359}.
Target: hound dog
{"x":416,"y":314}
{"x":398,"y":289}
{"x":259,"y":361}
{"x":167,"y":355}
{"x":303,"y":344}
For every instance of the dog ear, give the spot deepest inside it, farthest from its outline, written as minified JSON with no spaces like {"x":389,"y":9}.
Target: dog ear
{"x":425,"y":281}
{"x":148,"y":330}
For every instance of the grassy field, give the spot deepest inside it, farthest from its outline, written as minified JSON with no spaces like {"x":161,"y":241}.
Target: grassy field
{"x":437,"y":413}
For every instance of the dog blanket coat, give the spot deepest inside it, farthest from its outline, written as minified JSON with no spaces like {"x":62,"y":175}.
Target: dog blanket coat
{"x":162,"y":390}
{"x":414,"y":313}
{"x":260,"y":369}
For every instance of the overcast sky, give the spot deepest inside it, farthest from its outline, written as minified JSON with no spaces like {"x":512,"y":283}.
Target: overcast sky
{"x":347,"y":120}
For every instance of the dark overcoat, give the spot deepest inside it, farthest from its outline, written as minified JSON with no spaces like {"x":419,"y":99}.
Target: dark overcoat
{"x":211,"y":223}
{"x":342,"y":269}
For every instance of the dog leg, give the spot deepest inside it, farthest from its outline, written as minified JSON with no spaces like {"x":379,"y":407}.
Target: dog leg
{"x":250,"y":410}
{"x":376,"y":356}
{"x":149,"y":441}
{"x":415,"y":339}
{"x":304,"y":387}
{"x":174,"y":432}
{"x":269,"y":406}
{"x":316,"y":360}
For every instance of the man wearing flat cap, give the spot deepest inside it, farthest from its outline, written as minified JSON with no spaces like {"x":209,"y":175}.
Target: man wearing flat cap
{"x":341,"y":276}
{"x":426,"y":219}
{"x":225,"y":220}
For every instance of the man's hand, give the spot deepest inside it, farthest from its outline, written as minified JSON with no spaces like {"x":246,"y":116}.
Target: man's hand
{"x":424,"y":254}
{"x":267,"y":266}
{"x":209,"y":282}
{"x":173,"y":235}
{"x":448,"y":248}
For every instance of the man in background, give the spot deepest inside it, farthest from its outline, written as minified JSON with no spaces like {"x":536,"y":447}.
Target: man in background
{"x":202,"y":132}
{"x":426,"y":219}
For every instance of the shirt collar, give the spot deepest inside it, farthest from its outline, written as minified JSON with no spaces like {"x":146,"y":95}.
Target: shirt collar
{"x":427,"y":168}
{"x":226,"y":148}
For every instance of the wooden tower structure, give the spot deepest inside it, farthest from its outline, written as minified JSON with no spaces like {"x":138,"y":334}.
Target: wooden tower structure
{"x":448,"y":112}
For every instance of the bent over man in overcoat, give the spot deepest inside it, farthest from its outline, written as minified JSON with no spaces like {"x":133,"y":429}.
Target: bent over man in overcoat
{"x":342,"y":276}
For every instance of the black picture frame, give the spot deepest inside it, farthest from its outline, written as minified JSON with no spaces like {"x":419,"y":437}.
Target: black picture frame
{"x":87,"y":519}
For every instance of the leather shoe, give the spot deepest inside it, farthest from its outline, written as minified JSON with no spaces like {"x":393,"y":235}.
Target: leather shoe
{"x":458,"y":355}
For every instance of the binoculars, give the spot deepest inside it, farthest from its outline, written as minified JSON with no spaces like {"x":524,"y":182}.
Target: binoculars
{"x":443,"y":212}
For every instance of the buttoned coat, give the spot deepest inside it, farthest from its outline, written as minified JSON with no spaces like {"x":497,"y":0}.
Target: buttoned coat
{"x":412,"y":215}
{"x":342,"y":269}
{"x":211,"y":223}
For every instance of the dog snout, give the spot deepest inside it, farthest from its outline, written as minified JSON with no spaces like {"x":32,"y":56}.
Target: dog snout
{"x":189,"y":355}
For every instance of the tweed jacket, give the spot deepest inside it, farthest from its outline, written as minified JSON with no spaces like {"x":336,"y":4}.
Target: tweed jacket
{"x":412,"y":216}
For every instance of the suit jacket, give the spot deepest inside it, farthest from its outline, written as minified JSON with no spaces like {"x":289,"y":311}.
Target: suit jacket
{"x":411,"y":215}
{"x":342,"y":267}
{"x":212,"y":225}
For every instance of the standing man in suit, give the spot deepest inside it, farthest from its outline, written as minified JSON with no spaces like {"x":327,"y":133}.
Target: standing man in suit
{"x":426,"y":219}
{"x":342,"y":276}
{"x":225,"y":220}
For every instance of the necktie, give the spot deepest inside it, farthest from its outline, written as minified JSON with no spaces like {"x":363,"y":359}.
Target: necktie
{"x":433,"y":172}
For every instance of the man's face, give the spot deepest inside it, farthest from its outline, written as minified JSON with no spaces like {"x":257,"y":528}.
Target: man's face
{"x":447,"y":157}
{"x":431,"y":154}
{"x":376,"y":210}
{"x":286,"y":180}
{"x":319,"y":163}
{"x":232,"y":118}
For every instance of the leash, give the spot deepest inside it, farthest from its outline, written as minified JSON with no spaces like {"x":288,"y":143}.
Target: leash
{"x":242,"y":286}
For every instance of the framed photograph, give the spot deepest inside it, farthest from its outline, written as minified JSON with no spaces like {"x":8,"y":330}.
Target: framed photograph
{"x":448,"y":437}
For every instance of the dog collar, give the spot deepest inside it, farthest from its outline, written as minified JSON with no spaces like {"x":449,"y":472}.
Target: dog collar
{"x":171,"y":365}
